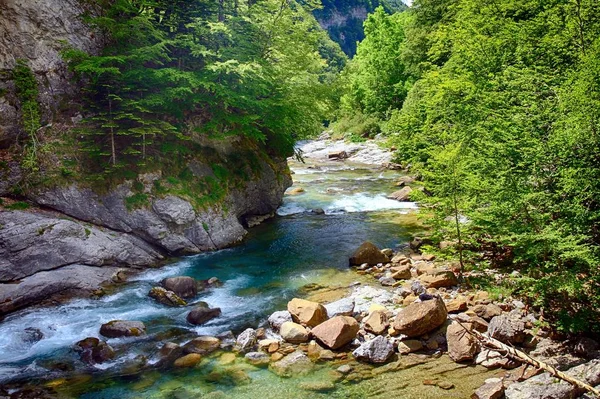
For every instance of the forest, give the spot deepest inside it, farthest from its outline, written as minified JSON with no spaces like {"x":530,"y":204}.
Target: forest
{"x":495,"y":104}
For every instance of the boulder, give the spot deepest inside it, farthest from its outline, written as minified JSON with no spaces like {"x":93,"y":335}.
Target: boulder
{"x":337,"y":155}
{"x":122,"y":328}
{"x":258,"y":358}
{"x":317,"y":352}
{"x":421,"y":317}
{"x":246,"y":340}
{"x":169,"y":352}
{"x":278,"y":318}
{"x":306,"y":312}
{"x":487,"y":312}
{"x":202,"y":345}
{"x":507,"y":328}
{"x":92,"y":351}
{"x":387,"y":252}
{"x":293,"y":333}
{"x":462,"y":346}
{"x":493,"y":389}
{"x":545,"y":386}
{"x":401,"y":195}
{"x":492,"y":360}
{"x":401,"y":272}
{"x":377,"y":322}
{"x":458,"y":304}
{"x":368,"y":253}
{"x":377,"y":350}
{"x":409,"y":346}
{"x":294,"y":364}
{"x":336,"y":332}
{"x":343,"y":307}
{"x":202,"y":314}
{"x":183,"y":286}
{"x":438,"y":279}
{"x":166,"y":297}
{"x":188,"y":361}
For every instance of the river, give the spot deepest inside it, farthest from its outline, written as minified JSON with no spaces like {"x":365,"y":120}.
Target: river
{"x":299,"y":248}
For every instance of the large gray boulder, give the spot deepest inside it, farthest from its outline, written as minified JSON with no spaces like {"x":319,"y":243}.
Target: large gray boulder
{"x":507,"y":328}
{"x":342,"y":307}
{"x":545,"y":386}
{"x":377,"y":350}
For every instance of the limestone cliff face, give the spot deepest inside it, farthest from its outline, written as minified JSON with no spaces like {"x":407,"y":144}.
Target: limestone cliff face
{"x":79,"y":238}
{"x":35,"y":31}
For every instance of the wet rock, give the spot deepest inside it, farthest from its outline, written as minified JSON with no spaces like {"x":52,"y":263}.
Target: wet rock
{"x":295,"y":191}
{"x":438,"y":279}
{"x":322,"y":386}
{"x":387,"y":281}
{"x":421,"y":317}
{"x":294,"y":364}
{"x":227,"y":340}
{"x":387,"y":252}
{"x":409,"y":346}
{"x":462,"y":346}
{"x":377,"y":322}
{"x":246,"y":340}
{"x":490,"y":390}
{"x":32,"y":335}
{"x":306,"y":312}
{"x":293,"y":333}
{"x":202,"y":345}
{"x":255,"y":220}
{"x":213,"y":282}
{"x":487,"y":312}
{"x":343,"y":307}
{"x":92,"y":350}
{"x":336,"y":332}
{"x":269,"y":345}
{"x":188,"y":361}
{"x":182,"y":286}
{"x":202,"y":315}
{"x":378,"y":350}
{"x":258,"y":358}
{"x":507,"y":328}
{"x":166,"y":297}
{"x":318,"y":211}
{"x":368,"y":253}
{"x":545,"y":386}
{"x":345,"y":369}
{"x":169,"y":352}
{"x":122,"y":328}
{"x":278,"y":318}
{"x":401,"y":195}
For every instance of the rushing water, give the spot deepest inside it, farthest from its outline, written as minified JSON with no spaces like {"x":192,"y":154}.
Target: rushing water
{"x":279,"y":257}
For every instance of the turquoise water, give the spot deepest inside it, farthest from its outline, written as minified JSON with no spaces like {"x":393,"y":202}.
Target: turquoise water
{"x":277,"y":259}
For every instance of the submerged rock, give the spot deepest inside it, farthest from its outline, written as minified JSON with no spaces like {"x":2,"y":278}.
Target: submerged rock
{"x":294,"y":364}
{"x":182,"y":286}
{"x":122,"y":328}
{"x":258,"y":358}
{"x":306,"y":312}
{"x":336,"y":332}
{"x":368,"y":253}
{"x":421,"y":317}
{"x":92,"y":350}
{"x":202,"y":315}
{"x":166,"y":297}
{"x":188,"y":361}
{"x":378,"y":350}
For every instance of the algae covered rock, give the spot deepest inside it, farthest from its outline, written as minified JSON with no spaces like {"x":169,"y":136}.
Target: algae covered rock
{"x":166,"y":297}
{"x":183,"y":286}
{"x":296,"y":363}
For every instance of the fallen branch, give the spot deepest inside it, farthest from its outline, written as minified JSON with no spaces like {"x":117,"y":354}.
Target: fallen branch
{"x":525,"y":358}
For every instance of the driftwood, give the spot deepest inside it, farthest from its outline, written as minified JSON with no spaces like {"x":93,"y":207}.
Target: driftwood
{"x":525,"y":358}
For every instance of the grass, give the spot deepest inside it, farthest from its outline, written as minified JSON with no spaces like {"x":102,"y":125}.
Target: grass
{"x":18,"y":206}
{"x":136,"y":201}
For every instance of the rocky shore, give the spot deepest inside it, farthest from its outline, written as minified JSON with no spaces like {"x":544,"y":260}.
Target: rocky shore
{"x":415,"y":312}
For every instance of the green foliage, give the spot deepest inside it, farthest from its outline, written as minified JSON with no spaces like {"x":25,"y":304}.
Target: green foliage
{"x":356,"y":127}
{"x":18,"y":206}
{"x":173,"y":72}
{"x":501,"y":118}
{"x":137,"y":200}
{"x":27,"y":93}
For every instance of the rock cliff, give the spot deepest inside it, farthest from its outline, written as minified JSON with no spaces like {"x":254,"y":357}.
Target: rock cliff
{"x":76,"y":237}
